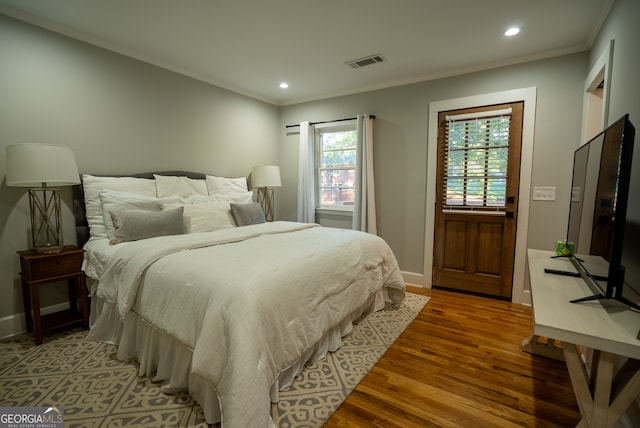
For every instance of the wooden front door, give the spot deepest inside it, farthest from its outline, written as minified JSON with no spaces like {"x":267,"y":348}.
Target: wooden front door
{"x":477,"y":199}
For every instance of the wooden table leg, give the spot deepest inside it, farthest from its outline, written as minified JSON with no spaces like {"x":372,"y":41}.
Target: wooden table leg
{"x":602,"y":379}
{"x":37,"y":319}
{"x":602,"y":397}
{"x":72,"y":286}
{"x":579,"y":381}
{"x":625,"y":389}
{"x":26,"y":300}
{"x":84,"y":301}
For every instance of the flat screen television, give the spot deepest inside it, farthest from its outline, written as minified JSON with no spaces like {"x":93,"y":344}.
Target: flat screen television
{"x":598,"y":212}
{"x":631,"y":244}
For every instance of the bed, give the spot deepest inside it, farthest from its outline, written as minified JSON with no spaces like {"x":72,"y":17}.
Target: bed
{"x":229,"y":307}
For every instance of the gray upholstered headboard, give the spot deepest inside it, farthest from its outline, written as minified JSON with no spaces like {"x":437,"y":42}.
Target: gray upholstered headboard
{"x":80,"y":210}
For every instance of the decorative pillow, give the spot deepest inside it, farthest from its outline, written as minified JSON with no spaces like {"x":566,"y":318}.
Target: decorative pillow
{"x":224,"y":186}
{"x":124,"y":201}
{"x":133,"y":225}
{"x":92,"y":185}
{"x":179,"y":186}
{"x":205,"y":217}
{"x":246,"y":214}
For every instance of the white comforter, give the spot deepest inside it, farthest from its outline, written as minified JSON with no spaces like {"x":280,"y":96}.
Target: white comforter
{"x":251,"y":307}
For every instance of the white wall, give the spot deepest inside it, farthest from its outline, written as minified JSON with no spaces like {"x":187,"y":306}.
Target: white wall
{"x":119,"y":115}
{"x":622,"y":26}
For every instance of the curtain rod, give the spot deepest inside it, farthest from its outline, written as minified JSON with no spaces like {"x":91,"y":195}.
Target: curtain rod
{"x":371,"y":116}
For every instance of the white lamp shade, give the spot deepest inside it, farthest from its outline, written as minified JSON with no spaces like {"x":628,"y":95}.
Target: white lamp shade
{"x":32,"y":165}
{"x":265,"y":176}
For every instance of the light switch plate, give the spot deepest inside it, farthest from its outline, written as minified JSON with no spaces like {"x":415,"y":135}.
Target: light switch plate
{"x":544,"y":193}
{"x":576,"y":194}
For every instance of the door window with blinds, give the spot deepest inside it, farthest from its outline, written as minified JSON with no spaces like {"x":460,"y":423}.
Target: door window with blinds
{"x":476,"y":158}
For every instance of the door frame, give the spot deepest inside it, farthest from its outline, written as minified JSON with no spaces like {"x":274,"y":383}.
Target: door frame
{"x":520,"y":293}
{"x":595,"y":113}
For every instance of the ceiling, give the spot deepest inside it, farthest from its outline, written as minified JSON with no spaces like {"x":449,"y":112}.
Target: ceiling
{"x":251,"y":46}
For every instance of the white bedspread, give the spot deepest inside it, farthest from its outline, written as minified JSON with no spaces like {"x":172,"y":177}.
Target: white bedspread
{"x":250,"y":300}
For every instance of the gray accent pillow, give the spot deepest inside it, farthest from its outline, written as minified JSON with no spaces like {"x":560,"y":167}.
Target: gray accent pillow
{"x":246,"y":214}
{"x":133,"y":225}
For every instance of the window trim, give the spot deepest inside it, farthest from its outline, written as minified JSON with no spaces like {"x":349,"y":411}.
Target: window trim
{"x":340,"y":211}
{"x":345,"y":125}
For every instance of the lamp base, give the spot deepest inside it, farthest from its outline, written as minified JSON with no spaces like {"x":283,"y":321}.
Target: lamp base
{"x":265,"y":199}
{"x":46,"y":227}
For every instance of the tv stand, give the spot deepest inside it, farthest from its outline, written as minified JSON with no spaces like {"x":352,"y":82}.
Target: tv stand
{"x":572,"y":273}
{"x":603,"y":394}
{"x":597,"y":296}
{"x":562,"y":272}
{"x":601,"y":296}
{"x":618,"y":284}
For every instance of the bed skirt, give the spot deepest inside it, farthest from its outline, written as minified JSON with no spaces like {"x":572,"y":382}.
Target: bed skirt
{"x":167,"y":361}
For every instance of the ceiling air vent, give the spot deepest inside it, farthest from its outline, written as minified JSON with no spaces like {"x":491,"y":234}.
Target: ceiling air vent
{"x":368,"y":60}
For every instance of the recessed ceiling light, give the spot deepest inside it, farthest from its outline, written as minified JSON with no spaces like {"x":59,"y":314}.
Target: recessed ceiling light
{"x":512,"y":31}
{"x":284,"y":85}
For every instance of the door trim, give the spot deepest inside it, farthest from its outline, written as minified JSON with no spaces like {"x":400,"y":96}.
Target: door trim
{"x":520,"y":293}
{"x":601,"y":71}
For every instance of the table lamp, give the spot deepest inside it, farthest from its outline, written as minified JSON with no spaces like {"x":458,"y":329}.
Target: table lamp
{"x":265,"y":178}
{"x":39,"y":166}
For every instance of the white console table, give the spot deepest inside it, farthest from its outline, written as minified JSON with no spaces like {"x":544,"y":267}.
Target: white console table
{"x":607,"y":327}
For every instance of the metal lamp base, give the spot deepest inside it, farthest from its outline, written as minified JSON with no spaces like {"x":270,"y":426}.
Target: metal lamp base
{"x":46,"y":227}
{"x":265,"y":199}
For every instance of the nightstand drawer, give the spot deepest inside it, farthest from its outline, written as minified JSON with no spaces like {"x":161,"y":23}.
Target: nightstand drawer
{"x":39,"y":267}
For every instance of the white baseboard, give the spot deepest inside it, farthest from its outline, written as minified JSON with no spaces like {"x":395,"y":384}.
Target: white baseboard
{"x":16,"y":324}
{"x":526,"y":298}
{"x":415,"y":279}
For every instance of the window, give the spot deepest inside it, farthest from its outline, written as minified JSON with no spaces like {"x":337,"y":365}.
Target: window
{"x":336,"y":165}
{"x":476,"y":156}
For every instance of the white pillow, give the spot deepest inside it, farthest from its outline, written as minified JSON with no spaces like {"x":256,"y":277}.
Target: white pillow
{"x":223,"y":185}
{"x":236,"y":198}
{"x":92,"y":185}
{"x":179,"y":186}
{"x":122,"y":201}
{"x":205,"y":217}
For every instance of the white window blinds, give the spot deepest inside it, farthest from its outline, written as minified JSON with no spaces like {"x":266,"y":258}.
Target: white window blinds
{"x":476,"y":158}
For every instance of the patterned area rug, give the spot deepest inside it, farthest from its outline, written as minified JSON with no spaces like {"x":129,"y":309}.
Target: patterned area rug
{"x":97,"y":390}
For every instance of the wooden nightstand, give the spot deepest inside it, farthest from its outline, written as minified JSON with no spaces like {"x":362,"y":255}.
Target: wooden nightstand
{"x":39,"y":269}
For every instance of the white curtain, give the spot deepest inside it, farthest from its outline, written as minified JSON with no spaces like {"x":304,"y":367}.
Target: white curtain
{"x":364,"y":210}
{"x":306,"y":175}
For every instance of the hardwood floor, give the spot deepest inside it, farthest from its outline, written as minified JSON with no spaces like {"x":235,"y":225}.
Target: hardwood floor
{"x":459,"y":364}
